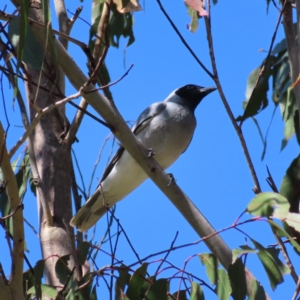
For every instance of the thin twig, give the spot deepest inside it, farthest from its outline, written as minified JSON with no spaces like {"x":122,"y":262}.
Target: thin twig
{"x":96,"y":164}
{"x":11,"y":214}
{"x":285,"y":255}
{"x":280,"y":243}
{"x":184,"y":41}
{"x":271,"y":181}
{"x":276,"y":6}
{"x":83,"y":191}
{"x":127,"y":239}
{"x":99,"y":55}
{"x":37,"y":118}
{"x":32,"y":228}
{"x":238,"y":130}
{"x":167,"y":254}
{"x":3,"y":275}
{"x":112,"y":83}
{"x":5,"y":16}
{"x":297,"y":290}
{"x":76,"y":15}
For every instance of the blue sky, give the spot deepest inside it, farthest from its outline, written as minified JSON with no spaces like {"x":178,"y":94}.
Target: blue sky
{"x":213,"y":172}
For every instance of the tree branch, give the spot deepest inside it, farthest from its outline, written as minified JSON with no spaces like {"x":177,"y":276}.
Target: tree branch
{"x":16,"y":279}
{"x":292,"y":41}
{"x":121,"y":130}
{"x":99,"y":54}
{"x":37,"y":118}
{"x":238,"y":130}
{"x":184,"y":41}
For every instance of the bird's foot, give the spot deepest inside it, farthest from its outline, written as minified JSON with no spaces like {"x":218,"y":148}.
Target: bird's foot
{"x":150,"y":152}
{"x":172,"y":179}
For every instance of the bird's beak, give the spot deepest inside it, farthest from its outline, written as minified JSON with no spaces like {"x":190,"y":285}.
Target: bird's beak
{"x":206,"y":91}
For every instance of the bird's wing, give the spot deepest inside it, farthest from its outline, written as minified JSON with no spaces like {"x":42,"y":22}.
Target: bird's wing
{"x":143,"y":120}
{"x":147,"y":115}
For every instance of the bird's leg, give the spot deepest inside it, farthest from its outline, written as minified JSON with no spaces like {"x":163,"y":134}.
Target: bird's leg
{"x":150,"y":152}
{"x":172,"y":179}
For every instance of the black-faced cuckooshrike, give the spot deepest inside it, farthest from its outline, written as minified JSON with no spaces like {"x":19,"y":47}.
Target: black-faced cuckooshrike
{"x":165,"y":127}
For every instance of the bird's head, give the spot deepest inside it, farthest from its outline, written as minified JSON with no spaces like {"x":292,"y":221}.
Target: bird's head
{"x":190,"y":95}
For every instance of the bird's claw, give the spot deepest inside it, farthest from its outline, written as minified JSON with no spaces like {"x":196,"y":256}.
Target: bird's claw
{"x":150,"y":152}
{"x":172,"y":179}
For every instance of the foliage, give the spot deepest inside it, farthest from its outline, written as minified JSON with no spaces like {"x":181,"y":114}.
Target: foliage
{"x":139,"y":281}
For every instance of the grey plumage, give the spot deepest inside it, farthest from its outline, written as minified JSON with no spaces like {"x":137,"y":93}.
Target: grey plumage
{"x":167,"y":128}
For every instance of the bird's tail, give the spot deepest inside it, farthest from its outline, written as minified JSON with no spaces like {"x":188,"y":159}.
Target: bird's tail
{"x":90,"y":213}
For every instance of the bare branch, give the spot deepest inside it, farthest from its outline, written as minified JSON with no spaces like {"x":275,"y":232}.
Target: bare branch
{"x":297,"y":290}
{"x":184,"y":41}
{"x":238,"y":130}
{"x":99,"y":54}
{"x":292,"y":41}
{"x":16,"y":280}
{"x":11,"y":214}
{"x":37,"y":118}
{"x":4,"y":288}
{"x":112,"y":83}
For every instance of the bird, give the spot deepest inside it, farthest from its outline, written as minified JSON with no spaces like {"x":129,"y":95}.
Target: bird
{"x":164,"y":128}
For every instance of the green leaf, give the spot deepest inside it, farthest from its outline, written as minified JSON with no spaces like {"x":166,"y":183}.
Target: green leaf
{"x":28,"y":281}
{"x":122,"y":281}
{"x":270,"y":265}
{"x":259,"y":100}
{"x":255,"y":290}
{"x":146,"y":285}
{"x":94,"y":293}
{"x":223,"y":287}
{"x":62,"y":270}
{"x":48,"y":291}
{"x":120,"y":25}
{"x":245,"y":249}
{"x":193,"y":26}
{"x":290,"y":185}
{"x":211,"y":263}
{"x":87,"y":291}
{"x":264,"y":204}
{"x":279,"y":47}
{"x":282,"y":267}
{"x":33,"y":52}
{"x":105,"y":74}
{"x":237,"y":277}
{"x":72,"y":285}
{"x":293,"y":220}
{"x":179,"y":295}
{"x":288,"y":117}
{"x":136,"y":282}
{"x":48,"y":32}
{"x":38,"y":275}
{"x":158,"y":290}
{"x":296,"y":125}
{"x":83,"y":251}
{"x":96,"y":12}
{"x":22,"y":177}
{"x":196,"y":292}
{"x":282,"y":233}
{"x":281,"y":79}
{"x":25,"y":4}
